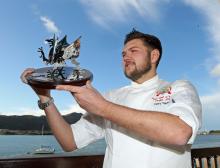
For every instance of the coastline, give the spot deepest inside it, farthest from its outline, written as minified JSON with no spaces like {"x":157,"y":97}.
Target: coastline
{"x":211,"y":132}
{"x":48,"y":132}
{"x":23,"y":132}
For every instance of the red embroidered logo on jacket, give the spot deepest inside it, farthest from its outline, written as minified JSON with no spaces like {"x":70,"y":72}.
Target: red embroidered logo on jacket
{"x":162,"y":96}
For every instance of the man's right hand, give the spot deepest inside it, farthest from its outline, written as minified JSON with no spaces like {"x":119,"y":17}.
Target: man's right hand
{"x":60,"y":128}
{"x":43,"y":94}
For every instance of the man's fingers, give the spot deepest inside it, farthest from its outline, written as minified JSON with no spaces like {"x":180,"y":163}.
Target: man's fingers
{"x":70,"y":88}
{"x":25,"y":74}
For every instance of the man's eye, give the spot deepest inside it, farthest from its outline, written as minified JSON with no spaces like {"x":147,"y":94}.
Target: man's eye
{"x":134,"y":50}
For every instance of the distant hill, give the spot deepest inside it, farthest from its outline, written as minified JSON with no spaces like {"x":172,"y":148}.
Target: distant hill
{"x":29,"y":124}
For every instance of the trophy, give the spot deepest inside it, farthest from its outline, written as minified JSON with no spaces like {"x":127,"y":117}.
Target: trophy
{"x":59,"y":73}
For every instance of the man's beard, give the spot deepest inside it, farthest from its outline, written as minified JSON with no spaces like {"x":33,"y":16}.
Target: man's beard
{"x":137,"y":74}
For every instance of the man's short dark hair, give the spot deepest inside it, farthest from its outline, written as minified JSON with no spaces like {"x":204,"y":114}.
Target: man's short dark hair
{"x":150,"y":41}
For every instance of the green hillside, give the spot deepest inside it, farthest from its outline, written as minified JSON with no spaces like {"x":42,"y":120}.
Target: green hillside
{"x":28,"y":124}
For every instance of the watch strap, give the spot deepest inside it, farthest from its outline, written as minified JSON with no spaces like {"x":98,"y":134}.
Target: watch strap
{"x":42,"y":106}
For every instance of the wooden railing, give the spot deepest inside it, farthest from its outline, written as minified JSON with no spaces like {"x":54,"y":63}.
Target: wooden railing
{"x":206,"y":157}
{"x":201,"y":158}
{"x":54,"y":162}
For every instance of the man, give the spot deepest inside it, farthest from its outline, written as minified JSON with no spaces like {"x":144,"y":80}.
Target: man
{"x":147,"y":124}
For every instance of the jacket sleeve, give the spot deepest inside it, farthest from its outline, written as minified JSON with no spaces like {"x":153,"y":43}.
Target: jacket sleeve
{"x":186,"y":104}
{"x":88,"y":129}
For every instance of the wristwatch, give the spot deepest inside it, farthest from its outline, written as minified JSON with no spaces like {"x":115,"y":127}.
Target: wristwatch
{"x":42,"y":106}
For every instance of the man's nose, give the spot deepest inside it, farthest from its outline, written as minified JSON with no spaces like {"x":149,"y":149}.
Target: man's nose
{"x":127,"y":55}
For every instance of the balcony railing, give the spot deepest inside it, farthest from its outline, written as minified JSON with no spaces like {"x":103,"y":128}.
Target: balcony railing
{"x":201,"y":158}
{"x":54,"y":162}
{"x":206,"y":158}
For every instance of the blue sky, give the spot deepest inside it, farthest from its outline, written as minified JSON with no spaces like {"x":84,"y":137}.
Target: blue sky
{"x":188,"y":29}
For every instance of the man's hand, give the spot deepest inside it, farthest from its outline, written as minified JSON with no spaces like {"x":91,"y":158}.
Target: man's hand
{"x":60,"y":128}
{"x":87,"y":97}
{"x":43,"y":94}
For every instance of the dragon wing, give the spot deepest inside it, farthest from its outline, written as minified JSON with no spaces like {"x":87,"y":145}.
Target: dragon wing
{"x":73,"y":50}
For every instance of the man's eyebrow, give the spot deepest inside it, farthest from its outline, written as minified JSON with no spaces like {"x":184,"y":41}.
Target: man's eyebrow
{"x":130,"y":48}
{"x":133,"y":47}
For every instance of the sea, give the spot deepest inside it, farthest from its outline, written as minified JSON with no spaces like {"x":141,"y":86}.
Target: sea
{"x":16,"y":146}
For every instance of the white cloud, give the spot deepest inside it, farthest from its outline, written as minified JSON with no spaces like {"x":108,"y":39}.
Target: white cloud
{"x":211,"y":102}
{"x":216,"y":70}
{"x":49,"y":24}
{"x":104,"y":13}
{"x":24,"y":111}
{"x":211,"y":113}
{"x":210,"y":9}
{"x":72,"y":108}
{"x":37,"y":112}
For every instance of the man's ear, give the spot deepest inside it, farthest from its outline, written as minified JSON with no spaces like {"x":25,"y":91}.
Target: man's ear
{"x":155,"y":54}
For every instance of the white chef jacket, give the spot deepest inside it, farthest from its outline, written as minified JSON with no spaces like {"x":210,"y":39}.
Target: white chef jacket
{"x":126,"y":149}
